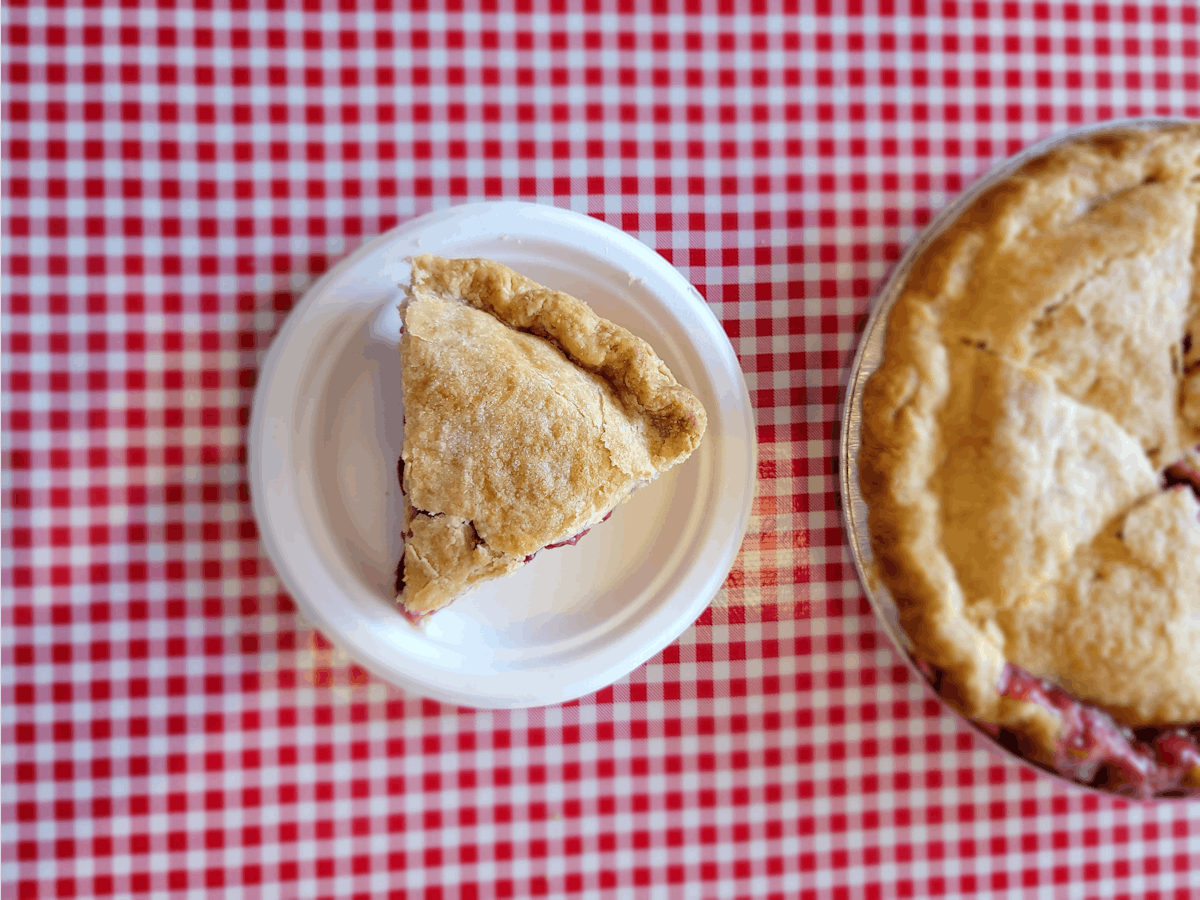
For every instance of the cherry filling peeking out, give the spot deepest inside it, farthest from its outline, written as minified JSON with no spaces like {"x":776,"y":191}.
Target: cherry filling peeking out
{"x":1093,"y":748}
{"x":399,"y":584}
{"x":571,"y":541}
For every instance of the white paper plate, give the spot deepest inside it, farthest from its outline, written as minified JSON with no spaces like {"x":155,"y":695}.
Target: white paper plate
{"x":327,"y":431}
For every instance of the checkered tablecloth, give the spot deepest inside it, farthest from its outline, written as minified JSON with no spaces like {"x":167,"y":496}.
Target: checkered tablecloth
{"x":174,"y":180}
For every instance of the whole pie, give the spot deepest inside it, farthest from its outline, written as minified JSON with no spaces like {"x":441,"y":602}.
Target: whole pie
{"x":528,"y":418}
{"x":1030,"y":466}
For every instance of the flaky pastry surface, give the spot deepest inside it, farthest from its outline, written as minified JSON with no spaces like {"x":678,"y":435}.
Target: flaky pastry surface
{"x":1041,"y":368}
{"x":527,"y":419}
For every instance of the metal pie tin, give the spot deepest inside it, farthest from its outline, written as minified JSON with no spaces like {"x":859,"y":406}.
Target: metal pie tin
{"x":867,"y":360}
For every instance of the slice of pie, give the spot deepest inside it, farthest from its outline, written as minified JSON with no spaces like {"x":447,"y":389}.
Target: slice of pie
{"x":528,"y":418}
{"x":1028,"y":459}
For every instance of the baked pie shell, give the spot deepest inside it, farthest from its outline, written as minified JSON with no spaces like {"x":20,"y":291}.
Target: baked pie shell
{"x":979,"y":315}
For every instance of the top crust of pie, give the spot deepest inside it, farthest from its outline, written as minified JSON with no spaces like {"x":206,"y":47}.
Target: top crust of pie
{"x":1041,"y":367}
{"x":527,"y":419}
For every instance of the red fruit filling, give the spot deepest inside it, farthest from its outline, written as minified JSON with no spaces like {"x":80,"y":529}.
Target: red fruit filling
{"x":1094,"y":749}
{"x":569,"y":542}
{"x":1182,"y":475}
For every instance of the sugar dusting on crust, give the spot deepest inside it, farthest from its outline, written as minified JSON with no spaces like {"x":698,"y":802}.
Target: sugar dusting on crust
{"x":528,"y":419}
{"x":642,"y":381}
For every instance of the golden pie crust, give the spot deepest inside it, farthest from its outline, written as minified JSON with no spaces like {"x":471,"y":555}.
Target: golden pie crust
{"x":527,"y":419}
{"x":1041,"y":369}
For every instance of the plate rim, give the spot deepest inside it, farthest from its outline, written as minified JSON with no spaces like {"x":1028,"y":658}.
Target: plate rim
{"x":742,"y":413}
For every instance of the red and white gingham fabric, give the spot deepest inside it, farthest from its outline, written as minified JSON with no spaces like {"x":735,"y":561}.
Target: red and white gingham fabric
{"x":176,"y":177}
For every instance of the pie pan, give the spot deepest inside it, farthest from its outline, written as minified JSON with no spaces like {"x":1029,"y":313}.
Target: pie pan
{"x":868,"y":359}
{"x":326,"y":433}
